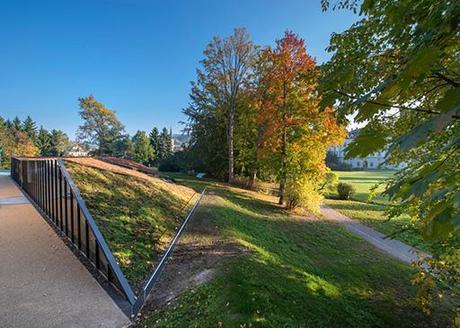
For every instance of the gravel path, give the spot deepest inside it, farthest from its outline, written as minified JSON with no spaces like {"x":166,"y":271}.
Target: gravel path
{"x":42,"y":283}
{"x":393,"y":247}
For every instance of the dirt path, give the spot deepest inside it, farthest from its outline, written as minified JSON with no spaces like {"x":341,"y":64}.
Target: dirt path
{"x":195,"y":257}
{"x":42,"y":283}
{"x":393,"y":247}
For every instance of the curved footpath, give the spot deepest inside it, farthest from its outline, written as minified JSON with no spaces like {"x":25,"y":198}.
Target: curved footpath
{"x":393,"y":247}
{"x":42,"y":283}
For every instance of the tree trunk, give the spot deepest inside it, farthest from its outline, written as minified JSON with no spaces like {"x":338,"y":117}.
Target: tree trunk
{"x":283,"y":168}
{"x":283,"y":150}
{"x":230,"y":144}
{"x":252,"y":183}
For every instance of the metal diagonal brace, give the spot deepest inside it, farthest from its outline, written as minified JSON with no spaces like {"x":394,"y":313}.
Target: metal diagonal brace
{"x":154,"y":277}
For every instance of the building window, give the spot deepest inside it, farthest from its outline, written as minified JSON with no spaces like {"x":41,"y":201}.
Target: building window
{"x":357,"y":164}
{"x":371,"y":164}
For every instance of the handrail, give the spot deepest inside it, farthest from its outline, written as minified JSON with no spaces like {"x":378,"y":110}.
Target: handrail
{"x":97,"y":233}
{"x":53,"y":192}
{"x":48,"y":184}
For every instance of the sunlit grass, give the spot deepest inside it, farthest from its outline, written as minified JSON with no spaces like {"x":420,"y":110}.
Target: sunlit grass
{"x":298,"y":272}
{"x":370,"y":207}
{"x":136,"y":216}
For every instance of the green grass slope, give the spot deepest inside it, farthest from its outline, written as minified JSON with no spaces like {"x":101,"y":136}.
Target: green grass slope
{"x":136,"y":214}
{"x":299,"y":272}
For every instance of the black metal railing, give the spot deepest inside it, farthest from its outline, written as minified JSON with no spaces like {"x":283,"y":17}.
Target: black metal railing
{"x":49,"y":185}
{"x":51,"y":188}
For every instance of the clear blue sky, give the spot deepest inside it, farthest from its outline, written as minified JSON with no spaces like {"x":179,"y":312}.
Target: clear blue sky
{"x":135,"y":56}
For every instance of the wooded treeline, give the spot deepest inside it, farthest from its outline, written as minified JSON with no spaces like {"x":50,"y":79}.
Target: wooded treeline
{"x":24,"y":138}
{"x":254,"y":114}
{"x":104,"y":135}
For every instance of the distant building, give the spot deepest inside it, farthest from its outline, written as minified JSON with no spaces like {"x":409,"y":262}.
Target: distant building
{"x":78,"y":151}
{"x":179,"y":142}
{"x":372,"y":162}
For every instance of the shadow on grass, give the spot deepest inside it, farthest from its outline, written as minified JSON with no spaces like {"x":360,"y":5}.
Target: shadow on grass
{"x":298,"y":272}
{"x":353,"y":205}
{"x":297,"y":265}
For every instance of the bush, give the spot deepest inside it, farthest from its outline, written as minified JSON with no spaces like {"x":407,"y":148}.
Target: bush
{"x":302,"y":192}
{"x":245,"y":183}
{"x":178,"y":162}
{"x":345,"y":190}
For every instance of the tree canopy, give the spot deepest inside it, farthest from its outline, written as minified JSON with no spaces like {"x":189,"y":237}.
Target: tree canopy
{"x":397,"y":69}
{"x":101,"y":130}
{"x":279,"y":131}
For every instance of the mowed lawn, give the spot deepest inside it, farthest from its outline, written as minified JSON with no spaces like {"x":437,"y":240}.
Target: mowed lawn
{"x":370,"y":206}
{"x":364,"y":181}
{"x":297,"y":272}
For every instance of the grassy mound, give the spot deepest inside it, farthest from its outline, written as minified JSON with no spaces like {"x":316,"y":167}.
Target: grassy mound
{"x":137,"y":214}
{"x":298,"y":272}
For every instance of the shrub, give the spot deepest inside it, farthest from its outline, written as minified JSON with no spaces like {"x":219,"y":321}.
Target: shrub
{"x":302,"y":192}
{"x":245,"y":182}
{"x":345,"y":190}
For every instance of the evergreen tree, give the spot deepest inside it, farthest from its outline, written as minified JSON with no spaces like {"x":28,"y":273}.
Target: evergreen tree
{"x":43,"y":142}
{"x":59,"y":143}
{"x":155,"y":142}
{"x":165,"y":146}
{"x":2,"y":122}
{"x":17,"y":124}
{"x":143,"y":150}
{"x":124,"y":147}
{"x":8,"y":124}
{"x":29,"y":127}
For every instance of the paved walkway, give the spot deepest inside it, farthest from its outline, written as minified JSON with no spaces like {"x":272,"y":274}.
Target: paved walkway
{"x":393,"y":247}
{"x":42,"y":283}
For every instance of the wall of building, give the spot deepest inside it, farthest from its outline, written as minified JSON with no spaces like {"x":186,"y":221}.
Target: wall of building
{"x":372,"y":162}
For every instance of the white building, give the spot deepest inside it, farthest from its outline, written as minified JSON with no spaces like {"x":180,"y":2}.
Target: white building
{"x":78,"y":150}
{"x":179,"y":142}
{"x":371,"y":162}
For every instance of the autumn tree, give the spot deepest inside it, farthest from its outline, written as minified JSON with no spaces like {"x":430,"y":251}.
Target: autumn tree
{"x":226,"y":68}
{"x":300,"y":132}
{"x":101,"y":130}
{"x":397,"y":69}
{"x":15,"y":143}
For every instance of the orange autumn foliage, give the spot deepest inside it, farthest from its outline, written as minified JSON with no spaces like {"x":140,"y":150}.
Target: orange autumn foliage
{"x":296,"y":131}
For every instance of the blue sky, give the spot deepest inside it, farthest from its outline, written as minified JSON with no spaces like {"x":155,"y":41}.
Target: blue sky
{"x":136,"y":56}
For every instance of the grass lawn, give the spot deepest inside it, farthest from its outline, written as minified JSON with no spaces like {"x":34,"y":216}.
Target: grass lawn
{"x":372,"y":213}
{"x":137,"y":215}
{"x":363,"y":181}
{"x":299,"y":272}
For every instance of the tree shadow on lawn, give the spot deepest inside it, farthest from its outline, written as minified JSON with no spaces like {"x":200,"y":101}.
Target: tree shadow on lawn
{"x":353,"y":205}
{"x":315,"y":273}
{"x":364,"y":178}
